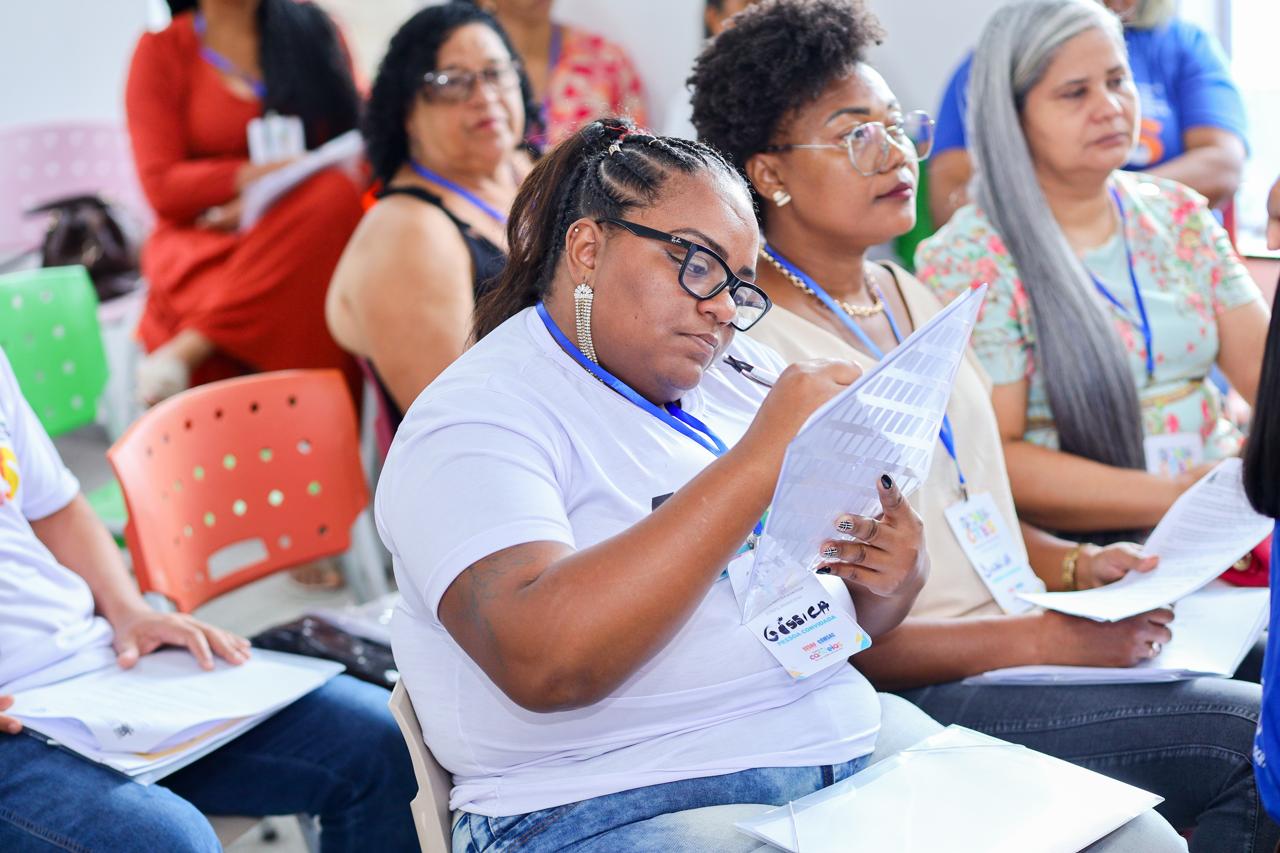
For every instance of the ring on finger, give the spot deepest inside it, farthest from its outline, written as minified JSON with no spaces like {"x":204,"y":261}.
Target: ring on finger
{"x":1156,"y":647}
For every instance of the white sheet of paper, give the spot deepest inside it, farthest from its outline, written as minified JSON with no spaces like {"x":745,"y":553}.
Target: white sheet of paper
{"x":885,"y":423}
{"x":258,"y":196}
{"x":1206,"y":530}
{"x":166,"y":696}
{"x":1213,"y":629}
{"x":958,"y":791}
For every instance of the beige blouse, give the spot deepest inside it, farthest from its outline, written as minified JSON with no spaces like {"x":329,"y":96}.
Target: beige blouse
{"x":954,"y":588}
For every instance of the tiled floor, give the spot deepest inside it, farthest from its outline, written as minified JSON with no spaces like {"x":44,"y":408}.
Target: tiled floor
{"x":247,"y":610}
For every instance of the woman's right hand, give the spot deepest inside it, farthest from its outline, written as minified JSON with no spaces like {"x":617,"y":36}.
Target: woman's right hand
{"x":1073,"y":641}
{"x":8,"y":725}
{"x":799,"y":391}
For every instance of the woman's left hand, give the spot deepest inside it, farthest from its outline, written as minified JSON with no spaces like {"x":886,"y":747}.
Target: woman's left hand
{"x":1101,"y":566}
{"x":887,"y":554}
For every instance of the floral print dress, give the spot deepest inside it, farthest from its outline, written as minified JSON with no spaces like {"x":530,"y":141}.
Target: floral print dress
{"x":1188,"y":275}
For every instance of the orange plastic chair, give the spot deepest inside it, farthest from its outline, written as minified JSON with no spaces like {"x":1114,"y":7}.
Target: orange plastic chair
{"x":235,"y":480}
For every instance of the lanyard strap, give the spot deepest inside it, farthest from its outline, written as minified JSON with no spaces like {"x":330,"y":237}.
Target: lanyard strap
{"x":1142,"y":321}
{"x":428,"y":175}
{"x":220,"y":62}
{"x":946,"y":434}
{"x":671,"y":415}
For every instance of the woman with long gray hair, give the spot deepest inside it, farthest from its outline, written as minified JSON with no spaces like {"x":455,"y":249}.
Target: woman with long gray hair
{"x":1113,"y":294}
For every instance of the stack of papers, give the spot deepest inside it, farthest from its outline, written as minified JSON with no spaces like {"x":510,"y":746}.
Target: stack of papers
{"x":258,"y":196}
{"x":1206,"y":530}
{"x":885,"y":423}
{"x":166,"y":712}
{"x":958,"y":791}
{"x":1213,"y":630}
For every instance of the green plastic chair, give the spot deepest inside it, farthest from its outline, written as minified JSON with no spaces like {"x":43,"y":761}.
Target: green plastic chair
{"x":51,"y":335}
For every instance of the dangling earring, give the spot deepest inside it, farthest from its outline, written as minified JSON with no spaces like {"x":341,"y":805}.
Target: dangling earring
{"x":781,"y":198}
{"x":582,"y":296}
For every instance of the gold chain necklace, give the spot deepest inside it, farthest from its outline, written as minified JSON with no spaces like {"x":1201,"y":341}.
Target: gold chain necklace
{"x":876,"y":306}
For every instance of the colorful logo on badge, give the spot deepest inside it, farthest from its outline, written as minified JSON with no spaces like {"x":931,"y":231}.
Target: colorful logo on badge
{"x":9,"y":479}
{"x":978,"y":525}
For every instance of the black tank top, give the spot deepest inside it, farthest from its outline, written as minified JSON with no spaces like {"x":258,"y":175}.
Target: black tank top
{"x":487,"y":261}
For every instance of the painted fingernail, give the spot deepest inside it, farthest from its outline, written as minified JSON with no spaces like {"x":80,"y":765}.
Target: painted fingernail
{"x":886,"y":482}
{"x":831,"y":551}
{"x":844,"y":526}
{"x":825,"y":570}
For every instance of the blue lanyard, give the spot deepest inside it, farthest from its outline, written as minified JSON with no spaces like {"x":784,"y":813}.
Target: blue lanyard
{"x":1143,"y":323}
{"x":220,"y":62}
{"x":671,"y":415}
{"x":946,"y":434}
{"x":428,"y":175}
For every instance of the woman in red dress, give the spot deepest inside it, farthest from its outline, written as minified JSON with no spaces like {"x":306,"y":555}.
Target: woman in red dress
{"x":224,"y":302}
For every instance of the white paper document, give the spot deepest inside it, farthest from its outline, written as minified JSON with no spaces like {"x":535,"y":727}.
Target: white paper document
{"x":257,"y":197}
{"x":368,"y":621}
{"x":1206,"y":530}
{"x":885,"y":423}
{"x":1213,"y":629}
{"x":166,"y":708}
{"x":958,"y":791}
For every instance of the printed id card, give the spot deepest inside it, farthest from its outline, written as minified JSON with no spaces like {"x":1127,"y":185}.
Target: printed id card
{"x":1173,"y":453}
{"x":985,"y":540}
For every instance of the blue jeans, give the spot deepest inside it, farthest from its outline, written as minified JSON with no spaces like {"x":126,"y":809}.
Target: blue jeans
{"x":335,"y":753}
{"x":641,"y":820}
{"x":1188,"y":741}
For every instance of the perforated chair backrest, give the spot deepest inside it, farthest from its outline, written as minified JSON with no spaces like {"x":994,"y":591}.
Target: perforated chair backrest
{"x":43,"y":162}
{"x":431,"y":807}
{"x":232,"y":481}
{"x":49,"y":330}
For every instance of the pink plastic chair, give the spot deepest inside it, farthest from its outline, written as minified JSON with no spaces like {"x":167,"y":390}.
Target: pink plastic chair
{"x":235,"y":480}
{"x":42,"y":162}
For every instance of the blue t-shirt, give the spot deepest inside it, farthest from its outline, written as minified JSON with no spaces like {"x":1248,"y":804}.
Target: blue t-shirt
{"x":1267,"y":741}
{"x":1182,"y":83}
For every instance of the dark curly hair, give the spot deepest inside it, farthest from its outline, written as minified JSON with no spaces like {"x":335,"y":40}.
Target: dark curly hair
{"x":601,"y":172}
{"x":411,"y":54}
{"x":779,"y":56}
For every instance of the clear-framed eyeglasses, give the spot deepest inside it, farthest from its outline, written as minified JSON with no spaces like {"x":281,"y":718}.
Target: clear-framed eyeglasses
{"x":704,"y":274}
{"x":868,"y":144}
{"x":452,"y":85}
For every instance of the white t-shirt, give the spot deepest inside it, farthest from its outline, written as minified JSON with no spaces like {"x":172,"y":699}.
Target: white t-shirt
{"x":515,"y":442}
{"x":48,"y":630}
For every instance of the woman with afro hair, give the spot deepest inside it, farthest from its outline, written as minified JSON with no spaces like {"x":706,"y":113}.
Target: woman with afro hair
{"x":443,"y":129}
{"x":833,"y":158}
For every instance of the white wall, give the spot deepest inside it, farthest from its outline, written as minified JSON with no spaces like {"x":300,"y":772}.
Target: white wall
{"x":66,"y":59}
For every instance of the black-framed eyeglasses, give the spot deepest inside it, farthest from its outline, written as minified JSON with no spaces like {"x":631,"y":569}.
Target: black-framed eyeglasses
{"x":455,"y":86}
{"x":868,"y":144}
{"x":704,"y":274}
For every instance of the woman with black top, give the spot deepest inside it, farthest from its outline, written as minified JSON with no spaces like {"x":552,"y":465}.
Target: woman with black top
{"x":443,"y":129}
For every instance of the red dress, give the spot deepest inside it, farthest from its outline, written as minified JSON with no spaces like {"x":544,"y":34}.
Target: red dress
{"x":257,"y":295}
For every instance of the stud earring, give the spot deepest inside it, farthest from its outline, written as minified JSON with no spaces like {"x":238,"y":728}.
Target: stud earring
{"x":582,"y":298}
{"x":781,"y":198}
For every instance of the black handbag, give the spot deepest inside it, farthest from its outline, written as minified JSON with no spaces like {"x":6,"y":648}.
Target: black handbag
{"x":89,"y":231}
{"x":318,"y":638}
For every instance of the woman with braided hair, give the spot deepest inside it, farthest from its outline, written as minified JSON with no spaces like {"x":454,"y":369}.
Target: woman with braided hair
{"x":568,"y":633}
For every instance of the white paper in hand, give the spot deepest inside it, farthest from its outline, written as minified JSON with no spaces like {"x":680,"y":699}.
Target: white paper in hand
{"x":1206,"y":530}
{"x":885,"y":423}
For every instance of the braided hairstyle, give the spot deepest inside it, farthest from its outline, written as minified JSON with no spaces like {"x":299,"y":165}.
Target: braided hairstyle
{"x":602,"y":171}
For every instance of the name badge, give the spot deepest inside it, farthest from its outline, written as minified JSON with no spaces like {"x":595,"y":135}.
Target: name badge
{"x":1173,"y":453}
{"x":981,"y":532}
{"x":805,"y":630}
{"x":275,"y":137}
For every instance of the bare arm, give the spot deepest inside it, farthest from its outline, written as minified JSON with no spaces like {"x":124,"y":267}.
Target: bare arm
{"x":615,"y":604}
{"x":1242,"y":336}
{"x":78,"y":541}
{"x":401,"y":295}
{"x":1067,"y":492}
{"x":921,"y":652}
{"x":949,"y":174}
{"x":1212,"y":164}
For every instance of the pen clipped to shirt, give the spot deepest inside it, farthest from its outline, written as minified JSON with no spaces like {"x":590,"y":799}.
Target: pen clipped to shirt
{"x":751,"y":372}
